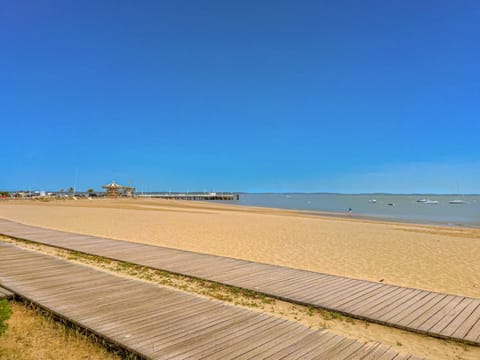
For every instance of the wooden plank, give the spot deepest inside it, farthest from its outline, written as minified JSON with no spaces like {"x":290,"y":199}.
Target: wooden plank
{"x":297,"y":349}
{"x":474,"y":334}
{"x":266,"y":347}
{"x":389,"y":305}
{"x":376,"y":354}
{"x":224,"y":347}
{"x":371,"y":299}
{"x":186,"y":338}
{"x":329,"y":291}
{"x":388,"y":355}
{"x":446,"y":320}
{"x":462,"y":324}
{"x":323,"y":346}
{"x":413,"y":306}
{"x":365,"y":351}
{"x":277,"y":278}
{"x":302,"y":284}
{"x":330,"y":347}
{"x":339,"y":298}
{"x":200,"y":339}
{"x":349,"y":350}
{"x":429,"y":322}
{"x":271,"y":336}
{"x":301,"y":289}
{"x":148,"y":323}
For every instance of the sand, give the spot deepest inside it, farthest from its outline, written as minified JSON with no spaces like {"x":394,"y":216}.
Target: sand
{"x":433,"y":258}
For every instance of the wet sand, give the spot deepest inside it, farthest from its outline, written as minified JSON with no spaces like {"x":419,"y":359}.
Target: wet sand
{"x":427,"y":257}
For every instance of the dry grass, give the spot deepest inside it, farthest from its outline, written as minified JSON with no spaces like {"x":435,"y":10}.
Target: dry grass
{"x":31,"y":336}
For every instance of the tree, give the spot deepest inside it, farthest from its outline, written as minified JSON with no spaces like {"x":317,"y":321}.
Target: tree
{"x":70,"y":190}
{"x":5,"y":313}
{"x":90,"y":191}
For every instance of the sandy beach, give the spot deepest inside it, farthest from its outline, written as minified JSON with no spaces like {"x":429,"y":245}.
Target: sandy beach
{"x":434,"y":258}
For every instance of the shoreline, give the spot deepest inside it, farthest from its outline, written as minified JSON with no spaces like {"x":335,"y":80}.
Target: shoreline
{"x":380,"y":219}
{"x":401,"y":221}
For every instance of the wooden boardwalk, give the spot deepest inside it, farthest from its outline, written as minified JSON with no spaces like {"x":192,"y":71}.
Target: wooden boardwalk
{"x":435,"y":314}
{"x":160,"y":323}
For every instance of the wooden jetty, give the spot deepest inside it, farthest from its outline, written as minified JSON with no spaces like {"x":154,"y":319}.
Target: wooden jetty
{"x":159,"y":323}
{"x":436,"y":314}
{"x":193,"y":196}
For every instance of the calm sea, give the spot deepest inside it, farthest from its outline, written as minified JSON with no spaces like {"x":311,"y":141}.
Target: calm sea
{"x":387,"y":207}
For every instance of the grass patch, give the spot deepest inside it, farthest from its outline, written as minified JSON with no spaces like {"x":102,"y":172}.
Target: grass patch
{"x":5,"y":313}
{"x":34,"y":336}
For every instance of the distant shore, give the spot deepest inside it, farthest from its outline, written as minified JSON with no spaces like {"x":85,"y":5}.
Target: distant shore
{"x":437,"y":258}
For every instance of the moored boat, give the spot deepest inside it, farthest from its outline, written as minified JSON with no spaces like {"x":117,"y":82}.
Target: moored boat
{"x":456,"y":202}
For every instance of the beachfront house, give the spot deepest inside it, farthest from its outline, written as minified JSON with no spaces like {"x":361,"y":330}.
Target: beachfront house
{"x":114,"y":190}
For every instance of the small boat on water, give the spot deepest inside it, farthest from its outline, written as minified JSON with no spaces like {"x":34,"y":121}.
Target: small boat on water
{"x":422,"y":200}
{"x":372,"y":201}
{"x":456,"y":202}
{"x":432,"y":202}
{"x":391,"y":204}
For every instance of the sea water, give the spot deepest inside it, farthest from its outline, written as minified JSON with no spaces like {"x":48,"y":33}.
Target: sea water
{"x":381,"y":206}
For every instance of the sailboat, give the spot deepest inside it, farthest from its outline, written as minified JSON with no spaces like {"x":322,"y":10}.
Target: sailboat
{"x":457,"y":201}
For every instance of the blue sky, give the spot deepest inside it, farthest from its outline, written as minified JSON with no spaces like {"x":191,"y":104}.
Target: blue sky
{"x":341,"y":96}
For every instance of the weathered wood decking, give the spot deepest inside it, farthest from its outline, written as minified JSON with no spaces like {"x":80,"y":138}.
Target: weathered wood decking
{"x":436,"y":314}
{"x":161,"y":323}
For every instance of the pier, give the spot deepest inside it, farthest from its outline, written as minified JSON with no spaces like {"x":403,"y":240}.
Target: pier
{"x":193,"y":196}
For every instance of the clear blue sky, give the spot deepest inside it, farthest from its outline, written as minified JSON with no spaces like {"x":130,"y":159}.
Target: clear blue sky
{"x":343,"y":96}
